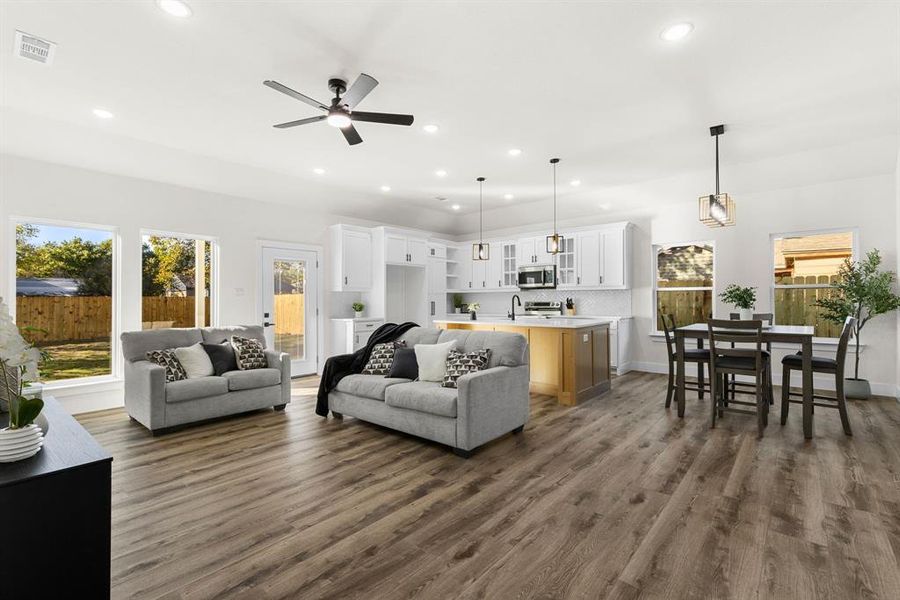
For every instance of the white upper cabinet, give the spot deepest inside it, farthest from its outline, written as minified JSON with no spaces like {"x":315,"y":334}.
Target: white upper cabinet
{"x":400,"y":249}
{"x":615,"y":260}
{"x":351,"y":259}
{"x":566,"y":270}
{"x":533,"y":251}
{"x":464,"y":270}
{"x":509,"y":274}
{"x":588,"y":258}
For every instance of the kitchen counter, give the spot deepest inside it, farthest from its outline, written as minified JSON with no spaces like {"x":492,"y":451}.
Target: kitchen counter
{"x":569,"y":355}
{"x":529,"y":321}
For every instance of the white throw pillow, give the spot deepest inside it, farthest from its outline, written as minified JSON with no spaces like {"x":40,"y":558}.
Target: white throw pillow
{"x":432,"y":359}
{"x":195,"y":361}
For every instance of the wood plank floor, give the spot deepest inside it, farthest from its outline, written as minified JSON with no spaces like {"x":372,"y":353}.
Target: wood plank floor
{"x":617,"y":498}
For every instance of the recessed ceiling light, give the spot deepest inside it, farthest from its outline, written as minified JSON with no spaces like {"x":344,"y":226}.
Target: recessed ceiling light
{"x":514,"y":151}
{"x":676,"y":32}
{"x":508,"y":196}
{"x":575,"y":182}
{"x":176,"y":8}
{"x":431,"y":128}
{"x":454,"y":206}
{"x":385,"y":188}
{"x":441,"y":173}
{"x":319,"y":171}
{"x":102,"y":113}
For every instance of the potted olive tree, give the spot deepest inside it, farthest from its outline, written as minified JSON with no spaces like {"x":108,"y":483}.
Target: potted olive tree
{"x":862,"y":291}
{"x":742,"y":298}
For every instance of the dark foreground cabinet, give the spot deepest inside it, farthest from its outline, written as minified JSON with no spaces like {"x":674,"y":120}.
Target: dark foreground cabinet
{"x":55,"y":515}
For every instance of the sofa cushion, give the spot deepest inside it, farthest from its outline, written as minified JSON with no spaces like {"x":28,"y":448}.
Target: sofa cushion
{"x":217,"y":335}
{"x":136,"y":344}
{"x":222,"y":357}
{"x":367,"y":386}
{"x":168,"y":360}
{"x":507,"y":349}
{"x":432,"y":360}
{"x":423,"y":396}
{"x":250,"y":353}
{"x":381,"y":358}
{"x":404,"y":365}
{"x":420,"y":335}
{"x":195,"y":361}
{"x":191,"y":389}
{"x":463,"y":363}
{"x":252,"y":379}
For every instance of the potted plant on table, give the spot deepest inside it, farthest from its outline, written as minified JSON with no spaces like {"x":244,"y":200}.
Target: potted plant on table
{"x":18,"y":365}
{"x":862,"y":291}
{"x":358,"y":308}
{"x":742,"y":298}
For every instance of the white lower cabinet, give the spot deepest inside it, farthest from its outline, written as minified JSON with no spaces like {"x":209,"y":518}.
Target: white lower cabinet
{"x":349,"y":335}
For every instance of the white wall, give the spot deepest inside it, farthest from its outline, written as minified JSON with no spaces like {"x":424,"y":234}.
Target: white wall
{"x":35,"y":189}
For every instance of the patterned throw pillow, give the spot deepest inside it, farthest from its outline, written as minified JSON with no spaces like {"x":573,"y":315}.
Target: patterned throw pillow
{"x":250,"y":354}
{"x":461,"y":363}
{"x":167,"y":360}
{"x":382,"y":358}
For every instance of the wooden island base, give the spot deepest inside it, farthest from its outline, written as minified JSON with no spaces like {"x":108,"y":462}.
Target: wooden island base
{"x":570,"y":363}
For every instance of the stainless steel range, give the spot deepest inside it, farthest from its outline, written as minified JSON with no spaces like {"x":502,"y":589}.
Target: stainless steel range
{"x":551,"y":308}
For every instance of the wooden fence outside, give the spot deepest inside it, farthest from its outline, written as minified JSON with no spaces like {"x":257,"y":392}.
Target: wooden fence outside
{"x":89,"y":318}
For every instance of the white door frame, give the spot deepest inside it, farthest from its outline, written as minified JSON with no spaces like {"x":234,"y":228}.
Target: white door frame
{"x":320,"y":289}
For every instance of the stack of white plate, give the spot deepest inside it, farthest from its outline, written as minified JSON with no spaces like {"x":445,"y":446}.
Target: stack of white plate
{"x":19,"y":444}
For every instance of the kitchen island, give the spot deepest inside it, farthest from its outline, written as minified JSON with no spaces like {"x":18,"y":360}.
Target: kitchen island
{"x":569,"y":356}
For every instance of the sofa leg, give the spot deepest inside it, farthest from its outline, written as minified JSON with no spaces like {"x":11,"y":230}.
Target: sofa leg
{"x":462,"y":453}
{"x":337,"y":415}
{"x":519,"y":429}
{"x":279,"y":406}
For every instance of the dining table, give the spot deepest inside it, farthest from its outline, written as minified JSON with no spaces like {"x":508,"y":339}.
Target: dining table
{"x":800,"y":335}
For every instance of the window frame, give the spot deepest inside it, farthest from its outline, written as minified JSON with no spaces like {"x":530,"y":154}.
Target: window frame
{"x":213,"y":269}
{"x":116,"y":363}
{"x":654,"y":296}
{"x":854,"y":250}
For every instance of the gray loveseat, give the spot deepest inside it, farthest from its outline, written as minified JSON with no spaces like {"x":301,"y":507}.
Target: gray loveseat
{"x":158,"y":405}
{"x":487,"y":404}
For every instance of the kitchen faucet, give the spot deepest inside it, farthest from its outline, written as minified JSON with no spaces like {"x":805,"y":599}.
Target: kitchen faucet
{"x":512,"y":313}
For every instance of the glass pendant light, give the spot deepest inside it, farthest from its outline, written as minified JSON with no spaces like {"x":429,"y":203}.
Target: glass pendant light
{"x":481,"y":251}
{"x":717,"y":210}
{"x":554,"y":242}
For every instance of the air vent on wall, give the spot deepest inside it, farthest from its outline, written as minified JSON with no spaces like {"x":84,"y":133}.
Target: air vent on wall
{"x":34,"y":48}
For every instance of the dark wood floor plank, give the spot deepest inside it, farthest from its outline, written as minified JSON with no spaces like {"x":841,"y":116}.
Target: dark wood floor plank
{"x":616,"y":498}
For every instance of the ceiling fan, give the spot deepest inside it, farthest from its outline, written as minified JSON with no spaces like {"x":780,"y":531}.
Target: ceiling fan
{"x":341,"y":113}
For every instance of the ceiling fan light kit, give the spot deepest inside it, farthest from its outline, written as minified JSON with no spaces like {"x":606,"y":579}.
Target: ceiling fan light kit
{"x":554,"y":240}
{"x":717,"y":210}
{"x":341,"y":113}
{"x":481,"y":251}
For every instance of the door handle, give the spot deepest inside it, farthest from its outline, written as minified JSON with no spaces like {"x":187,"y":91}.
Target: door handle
{"x":578,"y":279}
{"x":345,"y":280}
{"x":267,"y":324}
{"x":601,"y":279}
{"x":432,"y":308}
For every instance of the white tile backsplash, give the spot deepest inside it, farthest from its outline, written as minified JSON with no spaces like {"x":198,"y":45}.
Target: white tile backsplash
{"x":600,"y":303}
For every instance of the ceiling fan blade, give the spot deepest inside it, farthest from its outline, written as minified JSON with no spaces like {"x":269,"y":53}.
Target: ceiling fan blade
{"x":301,"y":122}
{"x":359,"y":90}
{"x":351,"y":135}
{"x":294,"y":94}
{"x":388,"y":118}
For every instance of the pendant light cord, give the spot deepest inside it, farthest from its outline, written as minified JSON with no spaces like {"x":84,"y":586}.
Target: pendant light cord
{"x":481,"y":210}
{"x":554,"y":198}
{"x":717,"y":165}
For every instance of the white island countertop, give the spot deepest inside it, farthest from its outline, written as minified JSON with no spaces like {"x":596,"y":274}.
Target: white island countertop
{"x":528,"y":321}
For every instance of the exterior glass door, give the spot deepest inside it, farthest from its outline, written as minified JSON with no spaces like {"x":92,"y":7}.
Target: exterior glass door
{"x":290,"y":306}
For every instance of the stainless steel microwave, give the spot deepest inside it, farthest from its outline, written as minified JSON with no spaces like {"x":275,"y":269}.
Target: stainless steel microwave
{"x":537,"y":276}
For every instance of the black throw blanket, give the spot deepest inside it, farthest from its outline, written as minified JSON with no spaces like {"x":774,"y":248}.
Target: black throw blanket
{"x":338,"y":367}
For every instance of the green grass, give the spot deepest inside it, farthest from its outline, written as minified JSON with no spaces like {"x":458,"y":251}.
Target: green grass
{"x":71,"y":360}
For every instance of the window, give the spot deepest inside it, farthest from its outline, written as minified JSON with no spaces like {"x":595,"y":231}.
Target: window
{"x":64,"y":297}
{"x":804,"y":267}
{"x":173,"y":295}
{"x":684,"y":282}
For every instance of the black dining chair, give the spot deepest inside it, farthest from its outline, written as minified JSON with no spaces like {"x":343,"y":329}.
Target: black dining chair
{"x":768,"y":319}
{"x":835,"y":366}
{"x":699,"y":356}
{"x":730,"y":355}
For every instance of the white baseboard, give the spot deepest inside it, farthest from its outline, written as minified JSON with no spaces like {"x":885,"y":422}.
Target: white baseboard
{"x":819,"y":382}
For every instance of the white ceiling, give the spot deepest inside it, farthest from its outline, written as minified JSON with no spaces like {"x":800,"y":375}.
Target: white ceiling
{"x":591,"y":83}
